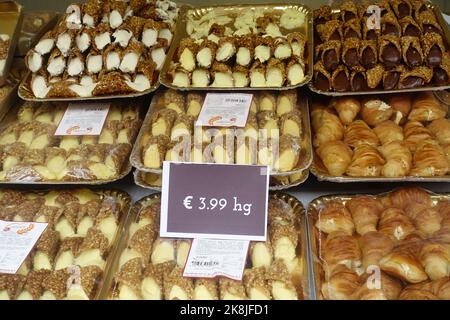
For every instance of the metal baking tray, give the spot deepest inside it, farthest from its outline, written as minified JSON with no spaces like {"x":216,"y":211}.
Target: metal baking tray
{"x":26,"y":93}
{"x":446,"y":30}
{"x":11,"y":14}
{"x":304,"y":163}
{"x":152,"y":181}
{"x":312,"y":215}
{"x":301,"y":282}
{"x":237,"y":9}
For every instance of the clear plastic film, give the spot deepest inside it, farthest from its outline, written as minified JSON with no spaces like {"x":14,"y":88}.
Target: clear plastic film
{"x":149,"y":267}
{"x":72,"y":258}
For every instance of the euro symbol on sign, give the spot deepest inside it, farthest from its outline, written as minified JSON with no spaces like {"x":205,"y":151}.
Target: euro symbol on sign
{"x":187,"y":202}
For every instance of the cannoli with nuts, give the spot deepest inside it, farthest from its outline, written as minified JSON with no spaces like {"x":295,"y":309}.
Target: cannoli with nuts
{"x":102,"y":36}
{"x":92,"y":10}
{"x":429,"y":23}
{"x":330,"y":30}
{"x":368,"y":54}
{"x":181,"y":78}
{"x":150,"y":33}
{"x":256,"y":285}
{"x":186,"y":54}
{"x":83,"y":40}
{"x":47,"y":248}
{"x":34,"y":61}
{"x":201,"y":78}
{"x":245,"y":51}
{"x":206,"y":289}
{"x":46,"y":44}
{"x":352,"y":30}
{"x":275,"y":73}
{"x":322,"y":78}
{"x":154,"y":152}
{"x":441,"y":75}
{"x":391,"y":77}
{"x":65,"y":40}
{"x":75,"y":63}
{"x":295,"y":71}
{"x":375,"y":76}
{"x":56,"y":63}
{"x":231,"y":289}
{"x":368,"y":32}
{"x":152,"y":283}
{"x":129,"y":280}
{"x":222,"y":74}
{"x":257,"y":75}
{"x":117,"y":13}
{"x":33,"y":288}
{"x":55,"y":285}
{"x":291,"y":124}
{"x":206,"y":54}
{"x":280,"y":282}
{"x":412,"y":51}
{"x":264,"y":48}
{"x":226,"y":49}
{"x":93,"y":249}
{"x":94,"y":62}
{"x":283,"y":49}
{"x":416,"y":77}
{"x":67,"y":251}
{"x":130,"y":57}
{"x":329,"y":54}
{"x":433,"y":49}
{"x":241,"y":76}
{"x":390,"y":25}
{"x":176,"y":287}
{"x":410,"y":27}
{"x":390,"y":51}
{"x":351,"y":53}
{"x":340,"y":79}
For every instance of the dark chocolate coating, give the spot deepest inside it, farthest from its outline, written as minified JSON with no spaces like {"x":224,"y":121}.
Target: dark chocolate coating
{"x":412,"y":31}
{"x":322,"y":82}
{"x":341,"y":83}
{"x":413,"y":57}
{"x":351,"y":34}
{"x":411,"y":82}
{"x":391,"y":80}
{"x":351,"y":58}
{"x":371,"y":35}
{"x":359,"y":83}
{"x":403,"y":10}
{"x":369,"y":58}
{"x":434,"y":57}
{"x":390,"y":29}
{"x":349,"y":16}
{"x":440,"y":77}
{"x":428,"y":28}
{"x":391,"y":55}
{"x":335,"y":36}
{"x":330,"y":59}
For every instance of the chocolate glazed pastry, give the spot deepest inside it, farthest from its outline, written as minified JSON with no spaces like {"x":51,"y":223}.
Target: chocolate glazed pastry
{"x":368,"y":54}
{"x":402,"y":8}
{"x":412,"y":51}
{"x":369,"y":34}
{"x":418,"y":7}
{"x":322,"y":77}
{"x":433,"y":47}
{"x":390,"y":25}
{"x":441,"y":74}
{"x":390,"y":51}
{"x":349,"y":11}
{"x":331,"y":30}
{"x":410,"y":27}
{"x":428,"y":22}
{"x":415,"y":78}
{"x":352,"y":29}
{"x":341,"y":79}
{"x":322,"y":15}
{"x":392,"y":77}
{"x":358,"y":79}
{"x":350,"y":53}
{"x":330,"y":53}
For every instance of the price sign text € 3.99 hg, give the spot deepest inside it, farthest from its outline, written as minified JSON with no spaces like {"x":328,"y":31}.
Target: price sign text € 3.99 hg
{"x":215,"y":205}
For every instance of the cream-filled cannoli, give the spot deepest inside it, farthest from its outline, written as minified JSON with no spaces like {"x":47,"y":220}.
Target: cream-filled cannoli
{"x":92,"y":11}
{"x":186,"y":54}
{"x":412,"y":51}
{"x":261,"y":254}
{"x":150,"y":33}
{"x":258,"y":75}
{"x":241,"y":76}
{"x":245,"y":51}
{"x":163,"y":251}
{"x":194,"y":104}
{"x":176,"y":287}
{"x":165,"y":33}
{"x":200,"y":78}
{"x":55,"y":285}
{"x":222,"y":74}
{"x":75,"y":63}
{"x":183,"y":126}
{"x":33,"y":61}
{"x":93,"y":249}
{"x":158,"y":53}
{"x":280,"y":282}
{"x":94,"y":62}
{"x":269,"y":24}
{"x":182,"y":248}
{"x":433,"y":49}
{"x":181,"y":78}
{"x":90,"y":276}
{"x":129,"y":280}
{"x":275,"y":73}
{"x":226,"y":49}
{"x":162,"y":122}
{"x":47,"y":248}
{"x":284,"y":238}
{"x":416,"y":77}
{"x":256,"y":285}
{"x":206,"y":54}
{"x":231,"y":290}
{"x":33,"y":288}
{"x":64,"y":41}
{"x":142,"y":241}
{"x":286,"y":102}
{"x":152,"y":283}
{"x":263,"y":48}
{"x":283,"y":49}
{"x":67,"y":251}
{"x":298,"y":43}
{"x":428,"y":22}
{"x":56,"y":63}
{"x":267,"y":102}
{"x":112,"y":57}
{"x":289,"y":153}
{"x":205,"y":289}
{"x":291,"y":124}
{"x":83,"y":40}
{"x":46,"y":44}
{"x":102,"y":36}
{"x":295,"y":72}
{"x":117,"y":14}
{"x":130,"y":57}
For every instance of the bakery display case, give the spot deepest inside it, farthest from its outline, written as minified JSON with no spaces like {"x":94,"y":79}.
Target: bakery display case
{"x":385,"y":247}
{"x":149,"y":267}
{"x":78,"y":243}
{"x":243,"y":46}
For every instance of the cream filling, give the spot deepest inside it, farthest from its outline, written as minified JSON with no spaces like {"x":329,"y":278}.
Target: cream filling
{"x":262,"y":53}
{"x":108,"y":227}
{"x":88,"y":20}
{"x":240,"y":79}
{"x":112,"y":61}
{"x":127,"y":255}
{"x":243,"y":56}
{"x":283,"y":51}
{"x":75,"y":67}
{"x":91,"y":257}
{"x":177,"y":293}
{"x":126,"y":293}
{"x":166,"y":34}
{"x":102,"y":40}
{"x":34,"y":62}
{"x":280,"y":292}
{"x":223,"y":80}
{"x":64,"y":260}
{"x":158,"y":57}
{"x":115,"y":19}
{"x":64,"y":42}
{"x":45,"y":46}
{"x":56,"y":66}
{"x":257,"y":79}
{"x":296,"y":74}
{"x":149,"y":37}
{"x":122,"y":37}
{"x":83,"y":90}
{"x":76,"y":292}
{"x":39,"y":87}
{"x":200,"y":78}
{"x":140,"y":83}
{"x":94,"y":63}
{"x":150,"y":289}
{"x":129,"y":62}
{"x":41,"y":261}
{"x":274,"y":78}
{"x":181,"y":80}
{"x":182,"y":253}
{"x":225,"y":52}
{"x":163,"y":251}
{"x":261,"y":255}
{"x":64,"y":228}
{"x":202,"y":293}
{"x":204,"y":57}
{"x":187,"y":60}
{"x":24,"y":295}
{"x":83,"y":42}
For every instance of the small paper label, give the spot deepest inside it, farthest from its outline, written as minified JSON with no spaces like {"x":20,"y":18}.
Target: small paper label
{"x":16,"y":241}
{"x":209,"y":258}
{"x":225,"y":110}
{"x":83,"y":119}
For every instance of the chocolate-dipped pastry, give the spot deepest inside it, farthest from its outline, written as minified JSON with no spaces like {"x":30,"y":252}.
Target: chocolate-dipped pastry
{"x":375,"y":76}
{"x":368,"y":54}
{"x":369,"y":33}
{"x":358,"y":79}
{"x":349,"y":11}
{"x":392,"y":77}
{"x":331,"y":30}
{"x":390,"y":51}
{"x":352,"y":29}
{"x":441,"y":74}
{"x":330,"y":54}
{"x":418,"y":7}
{"x":410,"y":27}
{"x":412,"y":51}
{"x":350,"y":53}
{"x":390,"y":25}
{"x":322,"y":78}
{"x":415,"y":78}
{"x":322,"y":15}
{"x":433,"y":49}
{"x":340,"y":79}
{"x":428,"y":22}
{"x":402,"y":8}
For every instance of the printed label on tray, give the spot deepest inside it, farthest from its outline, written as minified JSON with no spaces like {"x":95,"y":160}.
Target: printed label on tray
{"x":209,"y":258}
{"x":225,"y":110}
{"x":16,"y":241}
{"x":214,"y":201}
{"x":83,"y":119}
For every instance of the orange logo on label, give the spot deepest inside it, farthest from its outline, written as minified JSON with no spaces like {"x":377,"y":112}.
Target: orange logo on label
{"x":25,"y":230}
{"x":16,"y":227}
{"x":214,"y":119}
{"x":72,"y":129}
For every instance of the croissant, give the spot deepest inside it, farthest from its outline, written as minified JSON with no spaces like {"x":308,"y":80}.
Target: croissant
{"x":358,"y":132}
{"x":340,"y":248}
{"x":401,"y":103}
{"x":415,"y":132}
{"x":426,"y":107}
{"x":429,"y":160}
{"x":404,"y":197}
{"x":435,"y":258}
{"x":392,"y":287}
{"x":366,"y":162}
{"x":374,"y":246}
{"x":374,"y":111}
{"x":427,"y":220}
{"x":365,"y":212}
{"x":414,"y":294}
{"x":366,"y":293}
{"x":404,"y":266}
{"x":341,"y":284}
{"x":336,"y":156}
{"x":388,"y":131}
{"x":395,"y":224}
{"x":316,"y":114}
{"x":441,"y":288}
{"x":329,"y":129}
{"x":347,"y":108}
{"x":398,"y":159}
{"x":440,"y":129}
{"x":335,"y":217}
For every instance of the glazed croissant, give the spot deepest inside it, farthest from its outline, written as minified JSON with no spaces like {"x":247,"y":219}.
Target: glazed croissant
{"x":415,"y":133}
{"x":398,"y":159}
{"x":429,"y":160}
{"x":347,"y":108}
{"x":374,"y":111}
{"x":336,"y":156}
{"x":404,"y":266}
{"x":366,"y":162}
{"x":329,"y":128}
{"x":440,"y":129}
{"x":401,"y":103}
{"x":435,"y":258}
{"x":404,"y":197}
{"x":427,"y":220}
{"x":334,"y":218}
{"x":426,"y":107}
{"x":358,"y":132}
{"x":365,"y":212}
{"x":388,"y":131}
{"x":366,"y":293}
{"x":341,"y":284}
{"x":395,"y":224}
{"x":415,"y":294}
{"x":340,"y":248}
{"x":374,"y":246}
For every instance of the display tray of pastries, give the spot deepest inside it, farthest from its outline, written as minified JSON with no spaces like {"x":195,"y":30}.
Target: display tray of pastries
{"x":73,"y":255}
{"x":253,"y":47}
{"x":104,"y":49}
{"x":393,"y":246}
{"x":405,"y":50}
{"x":10,"y":23}
{"x":31,"y":153}
{"x":153,"y":181}
{"x":151,"y":268}
{"x":277,"y":133}
{"x":396,"y":137}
